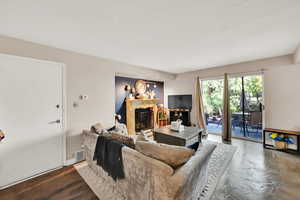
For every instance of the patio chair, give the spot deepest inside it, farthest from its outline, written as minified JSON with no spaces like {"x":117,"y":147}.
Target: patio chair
{"x":236,"y":121}
{"x":255,"y":122}
{"x":220,"y":120}
{"x":206,"y":117}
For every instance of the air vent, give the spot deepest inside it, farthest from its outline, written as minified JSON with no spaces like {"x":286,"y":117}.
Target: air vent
{"x":79,"y":156}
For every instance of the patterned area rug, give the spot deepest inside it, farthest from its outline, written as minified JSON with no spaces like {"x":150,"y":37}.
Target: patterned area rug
{"x":217,"y":166}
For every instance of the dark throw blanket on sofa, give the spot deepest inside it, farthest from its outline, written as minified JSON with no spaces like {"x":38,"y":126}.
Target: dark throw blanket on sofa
{"x":108,"y":153}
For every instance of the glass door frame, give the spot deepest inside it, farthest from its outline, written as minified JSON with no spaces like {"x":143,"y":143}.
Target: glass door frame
{"x":243,"y":75}
{"x":202,"y":94}
{"x":235,"y":75}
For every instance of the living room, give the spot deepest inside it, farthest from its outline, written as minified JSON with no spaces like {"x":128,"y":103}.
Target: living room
{"x":225,"y":73}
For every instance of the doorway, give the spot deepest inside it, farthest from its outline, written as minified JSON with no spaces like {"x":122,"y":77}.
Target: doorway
{"x":213,"y":103}
{"x":246,"y":105}
{"x":31,"y":116}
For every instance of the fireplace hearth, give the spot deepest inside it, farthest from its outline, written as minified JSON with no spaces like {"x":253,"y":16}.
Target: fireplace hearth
{"x":143,"y":119}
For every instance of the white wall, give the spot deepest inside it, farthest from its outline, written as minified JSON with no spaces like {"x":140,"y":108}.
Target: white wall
{"x":281,"y":85}
{"x":282,"y":97}
{"x":84,"y":75}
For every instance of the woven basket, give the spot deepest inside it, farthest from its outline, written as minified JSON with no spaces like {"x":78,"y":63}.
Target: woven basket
{"x":280,"y":144}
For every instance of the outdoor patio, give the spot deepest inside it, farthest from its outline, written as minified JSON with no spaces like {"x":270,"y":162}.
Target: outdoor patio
{"x":250,"y":132}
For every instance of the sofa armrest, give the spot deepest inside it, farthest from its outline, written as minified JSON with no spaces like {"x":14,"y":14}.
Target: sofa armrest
{"x":191,"y":178}
{"x":89,"y":140}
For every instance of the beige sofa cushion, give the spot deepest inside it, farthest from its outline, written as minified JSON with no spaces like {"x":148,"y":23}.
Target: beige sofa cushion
{"x":169,"y":154}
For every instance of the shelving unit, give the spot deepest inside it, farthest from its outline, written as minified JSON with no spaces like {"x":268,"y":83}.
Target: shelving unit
{"x":292,"y":148}
{"x":183,"y":114}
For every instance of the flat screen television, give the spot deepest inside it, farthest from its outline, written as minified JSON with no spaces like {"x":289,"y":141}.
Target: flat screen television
{"x":180,"y":102}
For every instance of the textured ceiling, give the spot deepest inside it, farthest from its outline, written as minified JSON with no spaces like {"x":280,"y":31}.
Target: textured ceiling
{"x":169,"y":35}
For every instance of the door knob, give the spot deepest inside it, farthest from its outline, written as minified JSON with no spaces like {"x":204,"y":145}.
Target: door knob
{"x":55,"y":122}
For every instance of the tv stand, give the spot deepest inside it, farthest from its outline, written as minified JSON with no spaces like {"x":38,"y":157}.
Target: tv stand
{"x":183,"y":114}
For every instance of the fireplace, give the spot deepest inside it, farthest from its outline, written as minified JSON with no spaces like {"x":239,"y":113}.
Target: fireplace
{"x":143,"y":119}
{"x":141,"y":114}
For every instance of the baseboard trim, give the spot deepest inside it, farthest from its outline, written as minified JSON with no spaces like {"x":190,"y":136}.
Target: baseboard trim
{"x":70,"y":162}
{"x":28,"y":178}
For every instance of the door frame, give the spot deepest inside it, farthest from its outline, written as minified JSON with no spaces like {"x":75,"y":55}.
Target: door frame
{"x":63,"y":115}
{"x":64,"y":112}
{"x":257,"y":73}
{"x":230,"y":75}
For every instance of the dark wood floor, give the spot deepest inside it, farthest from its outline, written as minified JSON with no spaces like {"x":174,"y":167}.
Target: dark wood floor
{"x":62,"y":184}
{"x":254,"y":174}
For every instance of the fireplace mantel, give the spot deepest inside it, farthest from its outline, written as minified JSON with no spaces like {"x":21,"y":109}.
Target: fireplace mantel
{"x":132,"y":105}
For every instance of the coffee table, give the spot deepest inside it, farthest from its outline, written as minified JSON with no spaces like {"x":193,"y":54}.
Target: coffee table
{"x":188,"y":137}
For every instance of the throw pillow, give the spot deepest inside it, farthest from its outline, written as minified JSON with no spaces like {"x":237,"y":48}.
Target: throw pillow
{"x":98,"y":128}
{"x":121,"y":128}
{"x":126,"y":140}
{"x":172,"y":155}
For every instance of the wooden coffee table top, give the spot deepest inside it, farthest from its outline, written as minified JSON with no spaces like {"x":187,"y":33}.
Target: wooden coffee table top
{"x":187,"y":133}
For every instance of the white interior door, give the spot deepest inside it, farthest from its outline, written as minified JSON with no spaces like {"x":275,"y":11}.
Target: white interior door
{"x":31,"y":117}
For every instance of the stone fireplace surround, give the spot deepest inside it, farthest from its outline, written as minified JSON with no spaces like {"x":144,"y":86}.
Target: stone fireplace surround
{"x":132,"y":105}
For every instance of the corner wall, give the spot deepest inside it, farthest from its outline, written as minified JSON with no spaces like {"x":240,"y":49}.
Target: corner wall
{"x":281,"y":88}
{"x":85,"y":75}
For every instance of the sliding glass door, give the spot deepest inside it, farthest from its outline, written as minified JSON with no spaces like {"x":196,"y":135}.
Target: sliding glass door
{"x":213,"y":104}
{"x":252,"y":106}
{"x":246,"y":105}
{"x":237,"y":106}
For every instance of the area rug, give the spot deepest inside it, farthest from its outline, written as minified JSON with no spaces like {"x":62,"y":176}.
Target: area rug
{"x":217,"y":166}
